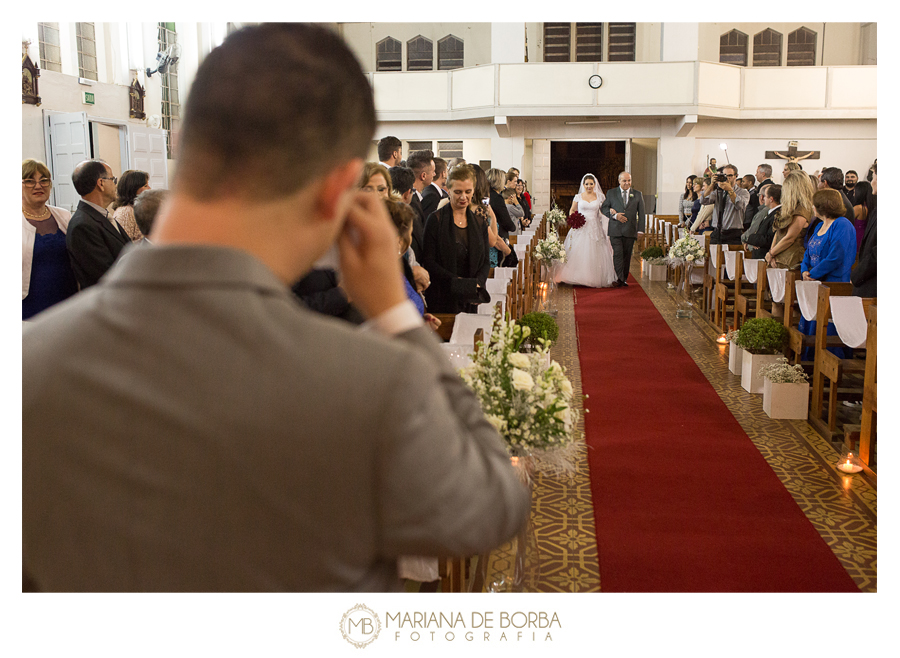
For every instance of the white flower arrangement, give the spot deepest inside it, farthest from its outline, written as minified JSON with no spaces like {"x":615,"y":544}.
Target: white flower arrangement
{"x":555,"y":216}
{"x":550,"y":249}
{"x":781,"y":372}
{"x":528,"y":401}
{"x":687,"y":249}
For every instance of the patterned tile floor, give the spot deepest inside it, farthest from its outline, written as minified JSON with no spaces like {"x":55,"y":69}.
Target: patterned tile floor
{"x":842,"y":508}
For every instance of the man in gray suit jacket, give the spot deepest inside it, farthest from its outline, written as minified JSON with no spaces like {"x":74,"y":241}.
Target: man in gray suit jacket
{"x":189,"y":426}
{"x":625,"y":209}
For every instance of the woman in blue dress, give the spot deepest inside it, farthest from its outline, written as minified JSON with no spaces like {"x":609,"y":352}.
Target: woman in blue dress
{"x":47,"y":276}
{"x":830,"y":254}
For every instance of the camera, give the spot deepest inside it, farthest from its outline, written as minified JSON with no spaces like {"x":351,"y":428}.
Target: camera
{"x":721,"y":178}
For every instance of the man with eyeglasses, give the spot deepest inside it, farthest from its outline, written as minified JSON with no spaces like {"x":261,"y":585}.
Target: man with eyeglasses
{"x":729,"y":203}
{"x":94,"y":239}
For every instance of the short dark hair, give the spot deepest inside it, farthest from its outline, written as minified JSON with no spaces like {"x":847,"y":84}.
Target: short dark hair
{"x":750,"y":177}
{"x":86,"y":175}
{"x":833,"y":177}
{"x":851,"y":171}
{"x":829,"y":203}
{"x":146,"y":207}
{"x":774,"y":192}
{"x":129,"y":184}
{"x":402,"y":179}
{"x":440,"y":166}
{"x":418,"y":160}
{"x":387,"y":146}
{"x":263,"y":101}
{"x":732,"y":167}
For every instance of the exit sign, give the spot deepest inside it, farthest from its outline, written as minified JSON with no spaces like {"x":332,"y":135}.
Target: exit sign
{"x":88,"y":97}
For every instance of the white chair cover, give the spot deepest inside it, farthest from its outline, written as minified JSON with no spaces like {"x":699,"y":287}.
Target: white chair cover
{"x":776,"y":283}
{"x":520,"y":250}
{"x":466,"y":325}
{"x":496,"y":285}
{"x":713,"y":258}
{"x":704,"y":238}
{"x":503,"y":273}
{"x":697,"y":275}
{"x":488,"y":308}
{"x":808,"y":298}
{"x":849,"y":320}
{"x":750,"y":265}
{"x":730,"y":263}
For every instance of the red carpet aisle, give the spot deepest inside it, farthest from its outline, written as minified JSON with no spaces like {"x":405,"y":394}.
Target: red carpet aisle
{"x":683,"y":501}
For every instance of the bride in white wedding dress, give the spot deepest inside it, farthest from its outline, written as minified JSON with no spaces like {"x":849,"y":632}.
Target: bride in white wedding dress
{"x":589,"y":256}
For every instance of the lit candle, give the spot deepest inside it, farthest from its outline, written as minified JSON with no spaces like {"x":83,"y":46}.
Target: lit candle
{"x":849,"y":467}
{"x":721,"y":340}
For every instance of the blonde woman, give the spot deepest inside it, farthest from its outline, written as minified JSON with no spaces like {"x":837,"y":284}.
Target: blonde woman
{"x":497,"y":181}
{"x":375,"y":178}
{"x":793,"y":216}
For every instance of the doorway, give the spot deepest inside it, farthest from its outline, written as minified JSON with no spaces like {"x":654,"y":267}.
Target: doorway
{"x":570,"y":161}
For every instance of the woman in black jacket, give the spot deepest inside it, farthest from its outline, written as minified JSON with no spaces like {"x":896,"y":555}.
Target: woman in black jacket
{"x":497,"y":180}
{"x":456,"y":250}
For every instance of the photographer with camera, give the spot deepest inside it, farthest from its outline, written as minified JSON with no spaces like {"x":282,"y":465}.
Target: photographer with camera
{"x":729,"y":202}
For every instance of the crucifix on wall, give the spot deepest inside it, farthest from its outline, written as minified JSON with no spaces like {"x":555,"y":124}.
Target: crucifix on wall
{"x":792,"y":154}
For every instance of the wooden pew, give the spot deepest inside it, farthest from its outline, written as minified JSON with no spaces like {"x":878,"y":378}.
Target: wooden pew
{"x":870,"y":390}
{"x":827,"y":366}
{"x":747,"y":301}
{"x":728,"y":289}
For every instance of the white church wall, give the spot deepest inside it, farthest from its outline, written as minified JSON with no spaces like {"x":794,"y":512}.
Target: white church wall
{"x":546,"y":84}
{"x":791,"y":87}
{"x":413,"y":92}
{"x":473,"y":88}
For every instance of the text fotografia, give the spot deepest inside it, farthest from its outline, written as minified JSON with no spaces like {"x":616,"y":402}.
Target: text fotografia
{"x":480,"y":626}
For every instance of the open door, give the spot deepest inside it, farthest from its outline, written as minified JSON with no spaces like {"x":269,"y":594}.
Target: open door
{"x":68,"y":143}
{"x":147,"y":152}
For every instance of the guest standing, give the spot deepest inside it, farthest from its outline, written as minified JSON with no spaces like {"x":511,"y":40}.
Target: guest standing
{"x":375,"y":178}
{"x":796,"y":209}
{"x":131,"y":183}
{"x":456,"y":251}
{"x":481,"y":208}
{"x":497,"y":180}
{"x":686,"y":207}
{"x":864,"y":275}
{"x":47,"y":276}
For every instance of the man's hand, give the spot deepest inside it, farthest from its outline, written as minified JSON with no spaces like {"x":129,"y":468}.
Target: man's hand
{"x":725,"y":185}
{"x":370,"y":266}
{"x":621,"y":217}
{"x":421,"y":277}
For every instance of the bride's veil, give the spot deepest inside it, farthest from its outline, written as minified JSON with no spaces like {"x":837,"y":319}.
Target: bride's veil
{"x":597,"y":189}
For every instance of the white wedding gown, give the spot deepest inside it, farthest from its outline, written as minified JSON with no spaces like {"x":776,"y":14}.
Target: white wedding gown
{"x":589,"y":256}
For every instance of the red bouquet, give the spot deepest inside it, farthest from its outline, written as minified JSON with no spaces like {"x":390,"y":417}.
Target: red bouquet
{"x":575,"y":220}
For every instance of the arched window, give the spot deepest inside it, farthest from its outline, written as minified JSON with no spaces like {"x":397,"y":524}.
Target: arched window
{"x":419,"y":54}
{"x":450,"y":53}
{"x":388,"y":55}
{"x":801,"y":48}
{"x":767,"y":48}
{"x":733,"y":48}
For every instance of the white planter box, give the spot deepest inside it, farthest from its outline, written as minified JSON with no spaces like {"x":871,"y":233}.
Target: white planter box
{"x":789,"y":401}
{"x":644,"y":268}
{"x":750,"y":379}
{"x":657,"y":272}
{"x":735,"y":358}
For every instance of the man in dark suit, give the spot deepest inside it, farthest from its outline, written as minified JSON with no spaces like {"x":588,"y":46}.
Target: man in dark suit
{"x":94,"y":238}
{"x":432,"y":194}
{"x":763,"y":177}
{"x":625,"y":209}
{"x":864,"y":275}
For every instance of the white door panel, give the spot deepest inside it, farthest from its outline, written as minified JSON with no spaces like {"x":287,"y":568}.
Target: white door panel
{"x":69,"y":144}
{"x":147,"y":152}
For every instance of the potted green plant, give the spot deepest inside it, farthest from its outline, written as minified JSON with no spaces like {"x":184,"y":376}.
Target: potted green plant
{"x":735,"y":353}
{"x":785,"y":390}
{"x":654,"y":254}
{"x":542,"y":326}
{"x":762,"y":340}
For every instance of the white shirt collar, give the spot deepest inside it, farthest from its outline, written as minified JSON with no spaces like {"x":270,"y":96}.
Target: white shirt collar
{"x":103,"y":211}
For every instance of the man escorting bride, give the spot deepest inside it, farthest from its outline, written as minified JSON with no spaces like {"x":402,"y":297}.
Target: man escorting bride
{"x":589,"y":256}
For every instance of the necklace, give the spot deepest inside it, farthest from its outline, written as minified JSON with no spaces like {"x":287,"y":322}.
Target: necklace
{"x":44,"y":214}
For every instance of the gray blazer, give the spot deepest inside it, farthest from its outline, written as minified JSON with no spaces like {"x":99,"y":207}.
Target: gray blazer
{"x":634,"y":212}
{"x":189,"y":426}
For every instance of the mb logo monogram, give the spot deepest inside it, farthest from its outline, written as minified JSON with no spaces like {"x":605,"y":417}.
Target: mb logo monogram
{"x":360,"y":626}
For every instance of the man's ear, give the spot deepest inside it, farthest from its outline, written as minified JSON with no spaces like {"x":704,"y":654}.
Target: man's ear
{"x":334,"y":185}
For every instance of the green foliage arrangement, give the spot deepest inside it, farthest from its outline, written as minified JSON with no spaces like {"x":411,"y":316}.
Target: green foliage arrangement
{"x":652,"y":252}
{"x":762,"y":336}
{"x":542,"y":326}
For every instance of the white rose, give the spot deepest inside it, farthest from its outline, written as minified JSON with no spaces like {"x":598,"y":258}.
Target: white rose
{"x":565,"y":415}
{"x":566,"y":387}
{"x":689,"y":257}
{"x":518,"y":360}
{"x":521,"y":380}
{"x":498,"y":423}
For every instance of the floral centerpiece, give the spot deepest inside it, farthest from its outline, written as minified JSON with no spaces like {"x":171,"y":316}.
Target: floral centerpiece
{"x":785,"y":390}
{"x":556,"y":217}
{"x":550,"y":249}
{"x":529,"y":402}
{"x":575,"y":220}
{"x":686,"y":250}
